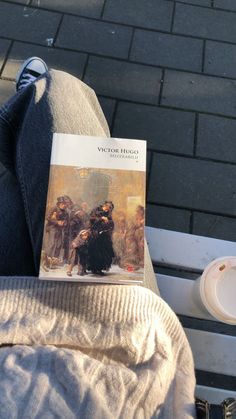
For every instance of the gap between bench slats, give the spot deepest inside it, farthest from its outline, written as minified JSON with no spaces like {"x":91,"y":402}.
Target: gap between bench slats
{"x":213,"y":395}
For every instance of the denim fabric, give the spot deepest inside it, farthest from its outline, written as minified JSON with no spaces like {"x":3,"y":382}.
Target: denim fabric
{"x":57,"y":102}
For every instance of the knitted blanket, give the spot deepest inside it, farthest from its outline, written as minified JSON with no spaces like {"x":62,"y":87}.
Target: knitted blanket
{"x":69,"y":350}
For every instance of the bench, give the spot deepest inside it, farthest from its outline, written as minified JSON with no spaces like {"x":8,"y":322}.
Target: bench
{"x":178,"y":259}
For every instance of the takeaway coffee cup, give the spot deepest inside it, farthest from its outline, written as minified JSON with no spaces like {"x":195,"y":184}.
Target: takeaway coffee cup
{"x":216,"y":289}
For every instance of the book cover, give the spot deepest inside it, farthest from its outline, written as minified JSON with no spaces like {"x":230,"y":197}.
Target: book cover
{"x":94,"y":223}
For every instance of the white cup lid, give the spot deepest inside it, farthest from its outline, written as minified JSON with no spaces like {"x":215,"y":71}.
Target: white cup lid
{"x":218,"y":288}
{"x":226,"y":290}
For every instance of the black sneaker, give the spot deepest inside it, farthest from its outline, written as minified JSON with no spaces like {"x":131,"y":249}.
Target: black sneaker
{"x":30,"y":70}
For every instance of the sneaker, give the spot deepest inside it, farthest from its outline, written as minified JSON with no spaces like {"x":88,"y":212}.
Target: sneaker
{"x":30,"y":70}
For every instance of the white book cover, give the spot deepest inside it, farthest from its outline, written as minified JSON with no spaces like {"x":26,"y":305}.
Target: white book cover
{"x":95,"y":213}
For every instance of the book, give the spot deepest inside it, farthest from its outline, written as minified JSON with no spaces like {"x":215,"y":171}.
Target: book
{"x":95,"y":212}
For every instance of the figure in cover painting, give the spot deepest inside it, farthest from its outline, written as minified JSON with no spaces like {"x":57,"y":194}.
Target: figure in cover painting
{"x":57,"y":221}
{"x":66,"y":235}
{"x":118,"y":237}
{"x":93,"y":241}
{"x":77,"y":221}
{"x":79,"y":253}
{"x":100,"y":250}
{"x":129,"y":241}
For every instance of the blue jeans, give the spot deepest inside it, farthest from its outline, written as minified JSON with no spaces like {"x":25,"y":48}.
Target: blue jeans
{"x":57,"y":102}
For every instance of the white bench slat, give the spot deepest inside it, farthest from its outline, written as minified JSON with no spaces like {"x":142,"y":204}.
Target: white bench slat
{"x":213,"y":395}
{"x":213,"y":352}
{"x":207,"y":347}
{"x":185,"y":250}
{"x":178,"y":293}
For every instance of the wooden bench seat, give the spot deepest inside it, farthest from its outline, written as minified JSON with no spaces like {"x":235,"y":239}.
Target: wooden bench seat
{"x":179,"y":259}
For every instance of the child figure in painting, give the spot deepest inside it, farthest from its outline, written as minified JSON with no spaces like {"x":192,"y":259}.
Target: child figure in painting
{"x":79,"y":250}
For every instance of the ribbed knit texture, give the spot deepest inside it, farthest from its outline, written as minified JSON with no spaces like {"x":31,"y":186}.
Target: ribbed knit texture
{"x":91,"y":351}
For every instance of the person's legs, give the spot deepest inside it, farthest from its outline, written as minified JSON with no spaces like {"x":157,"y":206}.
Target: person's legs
{"x":56,"y":102}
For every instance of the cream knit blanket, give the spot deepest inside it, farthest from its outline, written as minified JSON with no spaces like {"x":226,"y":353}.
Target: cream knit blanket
{"x":91,"y":351}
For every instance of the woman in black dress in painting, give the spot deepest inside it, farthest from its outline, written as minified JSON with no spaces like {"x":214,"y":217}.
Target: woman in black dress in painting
{"x":100,"y":249}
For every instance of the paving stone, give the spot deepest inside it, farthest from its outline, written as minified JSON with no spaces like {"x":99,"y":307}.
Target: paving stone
{"x":164,"y":129}
{"x":225,"y":4}
{"x":220,"y":59}
{"x":168,"y":218}
{"x":153,"y":14}
{"x":210,"y":225}
{"x":72,"y":62}
{"x":4,"y":45}
{"x":205,"y":22}
{"x":167,"y":50}
{"x":7,"y":89}
{"x":199,"y":92}
{"x":95,"y":37}
{"x":90,"y":8}
{"x":123,"y":80}
{"x":193,"y":184}
{"x":216,"y":138}
{"x":27,"y":24}
{"x":108,"y":107}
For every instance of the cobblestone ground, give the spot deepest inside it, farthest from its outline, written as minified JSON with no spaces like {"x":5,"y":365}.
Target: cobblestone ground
{"x":164,"y":71}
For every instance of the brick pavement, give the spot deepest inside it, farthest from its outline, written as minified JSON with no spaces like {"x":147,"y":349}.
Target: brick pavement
{"x":164,"y":71}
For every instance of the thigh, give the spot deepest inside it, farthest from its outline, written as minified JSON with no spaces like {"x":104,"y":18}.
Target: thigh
{"x":57,"y":102}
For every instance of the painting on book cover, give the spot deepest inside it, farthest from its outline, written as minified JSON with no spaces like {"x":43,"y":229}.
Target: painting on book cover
{"x":94,"y":225}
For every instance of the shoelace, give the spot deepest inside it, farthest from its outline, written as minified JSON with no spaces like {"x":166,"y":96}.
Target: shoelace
{"x":25,"y":80}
